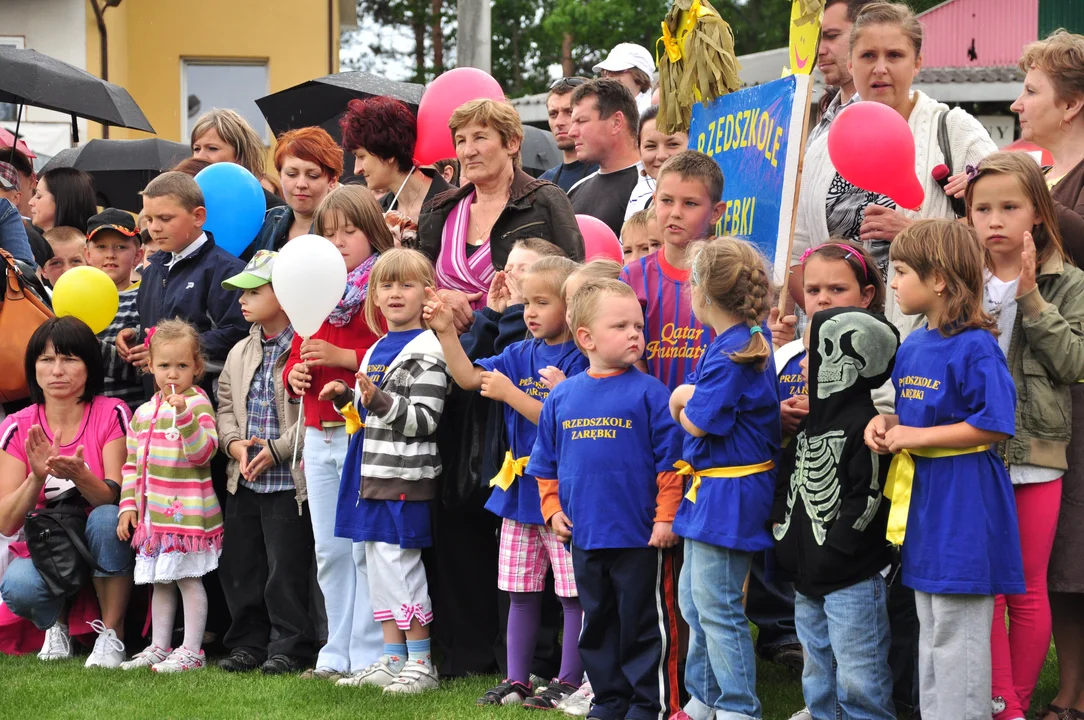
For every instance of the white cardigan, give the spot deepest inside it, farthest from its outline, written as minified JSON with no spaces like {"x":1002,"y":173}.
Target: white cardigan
{"x":969,"y":143}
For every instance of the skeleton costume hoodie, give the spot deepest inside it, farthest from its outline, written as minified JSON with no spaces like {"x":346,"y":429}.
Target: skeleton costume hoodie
{"x":829,"y":499}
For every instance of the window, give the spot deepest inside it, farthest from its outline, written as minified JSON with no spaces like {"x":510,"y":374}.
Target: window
{"x":7,"y":110}
{"x":206,"y":85}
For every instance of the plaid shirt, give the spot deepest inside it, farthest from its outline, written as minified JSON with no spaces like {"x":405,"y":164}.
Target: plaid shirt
{"x":263,"y":415}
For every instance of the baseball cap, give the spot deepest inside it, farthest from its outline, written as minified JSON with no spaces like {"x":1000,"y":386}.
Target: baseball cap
{"x":113,"y":219}
{"x":256,"y":274}
{"x":9,"y":176}
{"x":625,"y":56}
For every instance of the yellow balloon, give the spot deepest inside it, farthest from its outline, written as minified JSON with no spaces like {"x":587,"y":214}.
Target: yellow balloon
{"x":86,"y":293}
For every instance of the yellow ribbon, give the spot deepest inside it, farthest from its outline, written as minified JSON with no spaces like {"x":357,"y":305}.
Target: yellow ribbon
{"x":684,"y":468}
{"x":352,"y":418}
{"x":901,"y":476}
{"x":511,"y":468}
{"x":675,"y":45}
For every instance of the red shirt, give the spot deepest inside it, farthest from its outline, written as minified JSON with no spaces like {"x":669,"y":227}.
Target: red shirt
{"x":356,"y":336}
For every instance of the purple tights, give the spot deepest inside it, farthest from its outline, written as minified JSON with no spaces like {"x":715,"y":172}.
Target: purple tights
{"x":523,"y":619}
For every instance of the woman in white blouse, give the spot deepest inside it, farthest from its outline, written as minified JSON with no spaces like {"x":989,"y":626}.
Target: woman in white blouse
{"x":886,"y":47}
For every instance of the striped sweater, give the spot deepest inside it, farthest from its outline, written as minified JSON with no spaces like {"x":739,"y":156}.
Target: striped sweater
{"x":122,"y":380}
{"x":167,"y":483}
{"x":400,"y":460}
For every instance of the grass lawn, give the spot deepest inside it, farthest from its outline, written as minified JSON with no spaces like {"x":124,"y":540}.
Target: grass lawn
{"x":43,"y":691}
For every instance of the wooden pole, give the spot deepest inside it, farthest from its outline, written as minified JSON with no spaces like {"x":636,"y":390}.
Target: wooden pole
{"x":784,"y":292}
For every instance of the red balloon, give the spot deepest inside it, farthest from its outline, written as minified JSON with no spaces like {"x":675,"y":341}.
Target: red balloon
{"x":872,"y":147}
{"x":440,"y":100}
{"x":599,"y":240}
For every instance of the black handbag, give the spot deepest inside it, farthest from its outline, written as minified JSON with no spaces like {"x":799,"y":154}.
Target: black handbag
{"x":55,"y":539}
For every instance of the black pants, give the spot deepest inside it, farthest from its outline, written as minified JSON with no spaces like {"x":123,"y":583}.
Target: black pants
{"x":628,"y":646}
{"x":266,"y":566}
{"x":769,"y":604}
{"x":903,"y":649}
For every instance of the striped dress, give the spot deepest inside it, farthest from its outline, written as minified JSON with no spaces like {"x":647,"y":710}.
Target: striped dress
{"x":167,"y":483}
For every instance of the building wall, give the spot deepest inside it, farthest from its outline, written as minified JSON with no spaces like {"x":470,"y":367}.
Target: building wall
{"x":998,"y":28}
{"x":54,"y":28}
{"x":1054,"y":14}
{"x":149,"y":39}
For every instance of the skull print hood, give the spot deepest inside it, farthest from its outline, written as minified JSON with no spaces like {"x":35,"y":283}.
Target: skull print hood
{"x":851,"y":352}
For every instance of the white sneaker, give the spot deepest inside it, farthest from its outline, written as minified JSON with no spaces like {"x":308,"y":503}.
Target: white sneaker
{"x":151,"y":655}
{"x":416,"y":677}
{"x":108,"y":650}
{"x":57,"y":645}
{"x":578,"y":704}
{"x":802,"y":714}
{"x":378,"y":674}
{"x":180,"y":660}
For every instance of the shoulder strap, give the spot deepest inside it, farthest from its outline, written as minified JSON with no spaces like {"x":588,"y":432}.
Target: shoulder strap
{"x":943,"y":139}
{"x":76,"y":541}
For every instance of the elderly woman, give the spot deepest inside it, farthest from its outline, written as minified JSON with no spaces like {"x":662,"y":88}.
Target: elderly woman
{"x":67,"y":447}
{"x":225,"y":136}
{"x":886,"y":55}
{"x":468,"y":231}
{"x":309,"y":165}
{"x":1051,"y":110}
{"x":64,"y":196}
{"x":381,"y":132}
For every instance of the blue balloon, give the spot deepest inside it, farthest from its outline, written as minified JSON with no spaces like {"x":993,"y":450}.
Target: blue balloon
{"x":235,"y":205}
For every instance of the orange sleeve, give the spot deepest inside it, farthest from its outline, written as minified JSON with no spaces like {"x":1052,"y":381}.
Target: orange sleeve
{"x":551,"y":503}
{"x":669,"y":497}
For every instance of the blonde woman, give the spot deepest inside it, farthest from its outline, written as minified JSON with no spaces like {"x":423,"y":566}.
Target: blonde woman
{"x":224,"y":136}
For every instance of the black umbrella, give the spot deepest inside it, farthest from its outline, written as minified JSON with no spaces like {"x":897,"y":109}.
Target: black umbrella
{"x":318,"y":101}
{"x":121,"y":168}
{"x":539,"y":151}
{"x":30,"y":78}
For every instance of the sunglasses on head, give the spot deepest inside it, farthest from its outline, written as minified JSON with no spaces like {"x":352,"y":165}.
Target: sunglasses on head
{"x":567,"y":83}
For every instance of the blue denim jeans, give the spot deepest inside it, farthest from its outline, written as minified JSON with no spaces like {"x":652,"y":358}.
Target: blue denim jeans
{"x":846,"y":638}
{"x":24,"y":592}
{"x":720,"y":667}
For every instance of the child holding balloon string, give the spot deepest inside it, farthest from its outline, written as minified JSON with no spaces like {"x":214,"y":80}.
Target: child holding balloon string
{"x":351,"y":219}
{"x":391,"y":470}
{"x":167,"y":498}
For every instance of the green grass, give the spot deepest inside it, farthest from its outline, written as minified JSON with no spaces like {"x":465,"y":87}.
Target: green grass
{"x":30,"y":689}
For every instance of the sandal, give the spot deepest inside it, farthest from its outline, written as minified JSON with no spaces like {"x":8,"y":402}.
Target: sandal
{"x":1074,"y":714}
{"x":1059,"y":713}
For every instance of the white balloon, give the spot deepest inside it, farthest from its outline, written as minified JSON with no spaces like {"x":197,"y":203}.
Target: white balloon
{"x":309,"y":278}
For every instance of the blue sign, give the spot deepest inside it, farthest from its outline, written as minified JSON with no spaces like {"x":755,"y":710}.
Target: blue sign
{"x":754,"y":135}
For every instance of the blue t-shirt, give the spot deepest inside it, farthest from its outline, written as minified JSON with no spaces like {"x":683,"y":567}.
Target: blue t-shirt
{"x":606,"y":440}
{"x":521,"y":362}
{"x":398,"y":522}
{"x":962,"y":535}
{"x":791,"y":381}
{"x":738,"y":407}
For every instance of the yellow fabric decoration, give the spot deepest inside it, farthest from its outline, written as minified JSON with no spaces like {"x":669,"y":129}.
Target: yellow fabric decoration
{"x":697,"y":64}
{"x":684,"y":468}
{"x":901,"y":476}
{"x":511,"y":468}
{"x":352,"y":418}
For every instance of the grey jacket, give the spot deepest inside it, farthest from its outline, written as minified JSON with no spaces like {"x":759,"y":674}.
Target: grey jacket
{"x":233,"y":385}
{"x":1046,"y":356}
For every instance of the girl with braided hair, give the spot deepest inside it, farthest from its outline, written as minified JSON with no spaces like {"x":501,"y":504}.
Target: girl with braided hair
{"x":730,"y":412}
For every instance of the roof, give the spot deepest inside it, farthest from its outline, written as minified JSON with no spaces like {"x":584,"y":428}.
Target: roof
{"x":976,"y":33}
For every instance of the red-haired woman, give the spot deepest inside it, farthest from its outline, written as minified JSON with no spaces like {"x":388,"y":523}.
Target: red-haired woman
{"x":381,"y":132}
{"x":309,"y":164}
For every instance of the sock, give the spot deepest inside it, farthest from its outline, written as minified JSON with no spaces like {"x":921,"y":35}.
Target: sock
{"x":524,"y":615}
{"x":395,"y":656}
{"x":571,"y":665}
{"x":418,"y":651}
{"x":194,"y":597}
{"x":163,"y":609}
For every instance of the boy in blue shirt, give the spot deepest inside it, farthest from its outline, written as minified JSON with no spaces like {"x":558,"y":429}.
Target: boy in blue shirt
{"x":604,"y":460}
{"x":185,"y":279}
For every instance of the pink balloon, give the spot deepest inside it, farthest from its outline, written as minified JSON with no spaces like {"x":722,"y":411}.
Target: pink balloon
{"x":872,"y":147}
{"x":599,"y":240}
{"x":440,"y":100}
